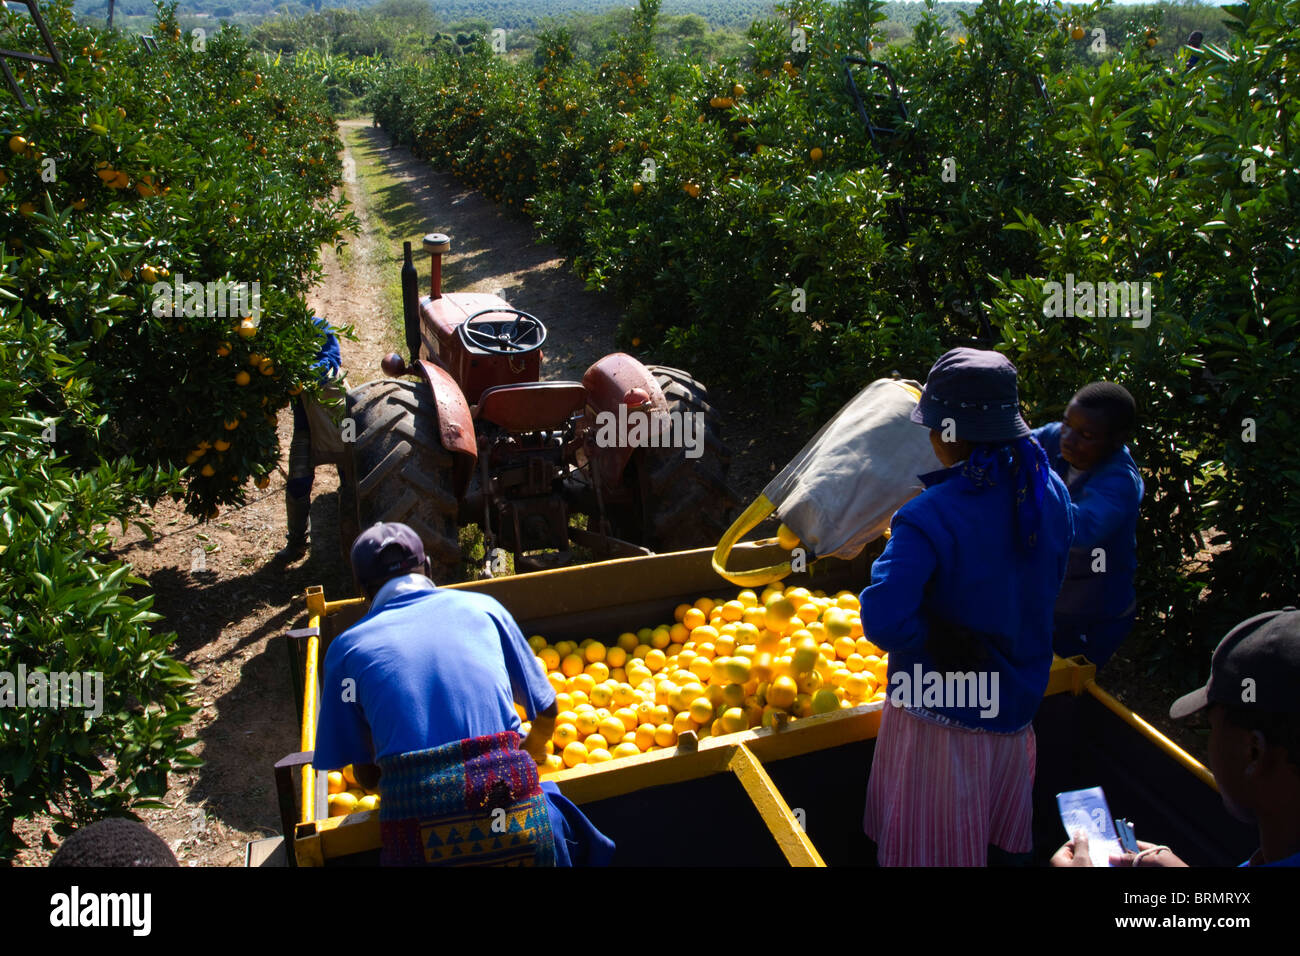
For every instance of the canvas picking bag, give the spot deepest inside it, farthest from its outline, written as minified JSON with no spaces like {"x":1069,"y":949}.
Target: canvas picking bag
{"x":840,"y":492}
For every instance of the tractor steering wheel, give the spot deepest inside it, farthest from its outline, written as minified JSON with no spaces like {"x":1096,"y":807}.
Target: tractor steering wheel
{"x":508,"y":340}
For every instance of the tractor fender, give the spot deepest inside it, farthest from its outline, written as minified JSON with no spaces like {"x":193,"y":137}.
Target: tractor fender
{"x":455,"y":423}
{"x":608,"y":383}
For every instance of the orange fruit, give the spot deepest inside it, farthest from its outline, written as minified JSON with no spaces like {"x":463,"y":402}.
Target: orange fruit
{"x":782,"y":692}
{"x":645,"y":736}
{"x":263,"y":481}
{"x":574,"y":754}
{"x":341,"y":804}
{"x":626,"y":749}
{"x":613,"y":728}
{"x":242,"y":378}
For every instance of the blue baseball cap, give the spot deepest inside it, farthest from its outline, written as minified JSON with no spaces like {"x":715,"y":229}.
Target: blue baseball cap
{"x":385,"y":550}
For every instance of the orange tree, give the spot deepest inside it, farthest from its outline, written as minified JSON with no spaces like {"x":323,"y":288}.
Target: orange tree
{"x":138,"y":174}
{"x":1185,"y":180}
{"x":133,"y":171}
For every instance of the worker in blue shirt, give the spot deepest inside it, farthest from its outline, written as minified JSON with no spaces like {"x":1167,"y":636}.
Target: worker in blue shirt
{"x":961,"y":598}
{"x":422,"y":691}
{"x":1098,"y":601}
{"x":1252,"y":700}
{"x":315,"y":441}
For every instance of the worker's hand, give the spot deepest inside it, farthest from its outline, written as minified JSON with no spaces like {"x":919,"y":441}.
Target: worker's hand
{"x":1160,"y":856}
{"x":1073,"y":852}
{"x":540,"y":732}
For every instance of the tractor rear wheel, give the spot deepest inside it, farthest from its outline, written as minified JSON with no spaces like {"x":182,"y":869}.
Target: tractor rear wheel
{"x":400,"y":470}
{"x":680,"y":502}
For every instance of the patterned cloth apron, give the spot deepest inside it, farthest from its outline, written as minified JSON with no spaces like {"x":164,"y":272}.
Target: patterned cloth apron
{"x":475,"y":802}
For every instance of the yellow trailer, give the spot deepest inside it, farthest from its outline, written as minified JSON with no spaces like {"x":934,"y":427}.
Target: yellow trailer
{"x":763,"y":797}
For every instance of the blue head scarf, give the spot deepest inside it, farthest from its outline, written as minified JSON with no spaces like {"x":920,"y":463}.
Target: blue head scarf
{"x":1020,"y":465}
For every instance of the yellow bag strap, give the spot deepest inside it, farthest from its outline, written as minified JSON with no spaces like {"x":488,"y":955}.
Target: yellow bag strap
{"x":748,"y":521}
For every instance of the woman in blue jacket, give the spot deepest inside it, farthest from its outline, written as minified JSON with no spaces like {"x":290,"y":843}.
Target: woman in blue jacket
{"x":962,"y":600}
{"x":1086,"y":449}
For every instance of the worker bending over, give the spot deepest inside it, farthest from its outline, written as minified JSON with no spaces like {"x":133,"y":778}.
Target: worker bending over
{"x":419,"y":696}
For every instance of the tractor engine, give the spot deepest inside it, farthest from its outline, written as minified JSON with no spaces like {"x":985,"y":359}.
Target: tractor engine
{"x":523,"y":475}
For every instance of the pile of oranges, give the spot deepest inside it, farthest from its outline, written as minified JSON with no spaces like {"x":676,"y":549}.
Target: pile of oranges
{"x":347,"y":795}
{"x":723,"y":666}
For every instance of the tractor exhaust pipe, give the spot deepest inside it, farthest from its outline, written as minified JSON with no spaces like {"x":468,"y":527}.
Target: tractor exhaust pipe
{"x":410,"y":303}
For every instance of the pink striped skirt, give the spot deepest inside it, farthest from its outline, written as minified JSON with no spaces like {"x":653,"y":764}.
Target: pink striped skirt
{"x":939,"y":796}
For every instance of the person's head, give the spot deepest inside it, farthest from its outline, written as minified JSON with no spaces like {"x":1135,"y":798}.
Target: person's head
{"x":970,"y":398}
{"x":114,"y":842}
{"x":385,"y":551}
{"x":1252,"y":700}
{"x":1097,"y":423}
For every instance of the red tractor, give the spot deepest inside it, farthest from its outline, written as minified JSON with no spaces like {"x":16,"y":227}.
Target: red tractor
{"x":479,"y":437}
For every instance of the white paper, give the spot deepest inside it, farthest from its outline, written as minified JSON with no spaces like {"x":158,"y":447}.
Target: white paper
{"x":1088,"y":811}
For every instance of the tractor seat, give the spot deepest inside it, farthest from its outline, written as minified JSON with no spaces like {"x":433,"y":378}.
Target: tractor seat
{"x":531,"y":406}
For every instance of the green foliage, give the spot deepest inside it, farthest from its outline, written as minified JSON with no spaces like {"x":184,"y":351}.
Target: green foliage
{"x":65,"y":609}
{"x":134,"y":168}
{"x":1187,"y":180}
{"x":226,"y":174}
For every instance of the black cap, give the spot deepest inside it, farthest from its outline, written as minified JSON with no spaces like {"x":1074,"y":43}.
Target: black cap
{"x":977,"y":390}
{"x":1257,"y":666}
{"x":386,"y":550}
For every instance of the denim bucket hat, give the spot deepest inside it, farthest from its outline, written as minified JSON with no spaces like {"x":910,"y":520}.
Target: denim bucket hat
{"x":976,"y":390}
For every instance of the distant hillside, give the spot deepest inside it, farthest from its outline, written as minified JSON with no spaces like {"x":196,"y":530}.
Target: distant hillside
{"x":507,"y":14}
